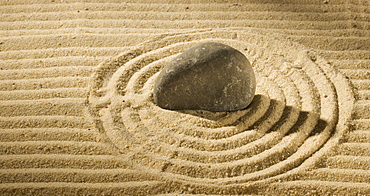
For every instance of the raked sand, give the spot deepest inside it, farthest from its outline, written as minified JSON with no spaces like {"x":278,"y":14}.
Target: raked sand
{"x":77,"y":116}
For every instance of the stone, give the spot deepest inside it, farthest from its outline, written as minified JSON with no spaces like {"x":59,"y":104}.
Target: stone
{"x":209,"y":76}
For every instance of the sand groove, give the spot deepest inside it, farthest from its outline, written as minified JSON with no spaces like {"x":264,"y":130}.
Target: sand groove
{"x":139,"y":188}
{"x":43,"y":94}
{"x":44,"y":83}
{"x":319,"y":188}
{"x":40,"y":107}
{"x":49,"y":134}
{"x":54,"y":147}
{"x":342,"y":175}
{"x":192,"y":6}
{"x":48,"y":50}
{"x":194,"y":15}
{"x":61,"y":52}
{"x":348,"y":162}
{"x":71,"y":175}
{"x":70,"y":71}
{"x":50,"y":62}
{"x":43,"y":122}
{"x":358,"y":136}
{"x":62,"y":161}
{"x":362,"y":84}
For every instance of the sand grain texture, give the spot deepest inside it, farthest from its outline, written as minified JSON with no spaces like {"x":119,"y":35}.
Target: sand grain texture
{"x":76,"y":111}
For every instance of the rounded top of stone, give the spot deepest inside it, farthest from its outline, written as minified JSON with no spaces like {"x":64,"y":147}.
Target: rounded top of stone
{"x":209,"y":76}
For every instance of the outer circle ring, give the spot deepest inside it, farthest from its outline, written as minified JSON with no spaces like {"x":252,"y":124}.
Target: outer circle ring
{"x":302,"y":100}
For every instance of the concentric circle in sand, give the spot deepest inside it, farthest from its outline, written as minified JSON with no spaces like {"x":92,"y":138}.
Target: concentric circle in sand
{"x":296,"y":110}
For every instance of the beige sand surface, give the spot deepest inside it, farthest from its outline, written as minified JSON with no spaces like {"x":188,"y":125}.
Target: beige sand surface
{"x":76,"y":111}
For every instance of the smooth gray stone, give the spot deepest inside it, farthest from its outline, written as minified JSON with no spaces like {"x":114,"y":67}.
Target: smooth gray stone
{"x":209,"y":76}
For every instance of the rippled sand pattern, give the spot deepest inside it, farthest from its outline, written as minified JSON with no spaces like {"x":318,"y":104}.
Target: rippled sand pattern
{"x":76,"y":111}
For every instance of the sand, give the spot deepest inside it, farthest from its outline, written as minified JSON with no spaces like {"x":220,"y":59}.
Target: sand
{"x":77,"y":114}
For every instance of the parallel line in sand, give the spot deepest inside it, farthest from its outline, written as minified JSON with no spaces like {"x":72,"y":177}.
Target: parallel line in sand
{"x":363,"y":84}
{"x":182,"y":15}
{"x":44,"y":94}
{"x":14,"y":64}
{"x":183,"y":24}
{"x":145,"y":7}
{"x":176,"y":194}
{"x":45,"y":83}
{"x":348,"y":162}
{"x":51,"y":72}
{"x":117,"y":40}
{"x":63,"y":161}
{"x":72,"y":175}
{"x":354,"y":149}
{"x":186,"y":2}
{"x":357,"y":74}
{"x":55,"y":147}
{"x":339,"y":175}
{"x":49,"y":134}
{"x":358,"y":136}
{"x":364,"y":94}
{"x":361,"y":110}
{"x":62,"y":52}
{"x":43,"y":122}
{"x":63,"y":188}
{"x":85,"y":30}
{"x":329,"y":42}
{"x":312,"y":187}
{"x":72,"y":41}
{"x":360,"y":124}
{"x":345,"y":55}
{"x":351,"y":64}
{"x":122,"y":31}
{"x":295,"y":34}
{"x":47,"y":107}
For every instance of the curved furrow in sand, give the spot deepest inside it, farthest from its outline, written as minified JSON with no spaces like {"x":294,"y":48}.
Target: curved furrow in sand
{"x":184,"y":160}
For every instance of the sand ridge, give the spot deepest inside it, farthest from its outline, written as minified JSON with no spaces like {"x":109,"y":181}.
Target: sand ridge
{"x":51,"y":143}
